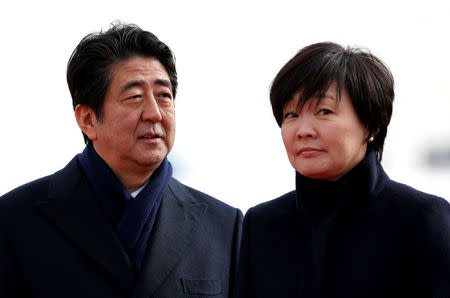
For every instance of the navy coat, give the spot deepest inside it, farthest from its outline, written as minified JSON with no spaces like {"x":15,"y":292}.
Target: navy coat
{"x":363,"y":236}
{"x":55,"y":241}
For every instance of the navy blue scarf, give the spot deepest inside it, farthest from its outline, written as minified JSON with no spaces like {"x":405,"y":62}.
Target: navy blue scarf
{"x":133,"y":218}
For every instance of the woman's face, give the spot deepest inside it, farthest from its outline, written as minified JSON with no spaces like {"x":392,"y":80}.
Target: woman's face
{"x":324,"y":140}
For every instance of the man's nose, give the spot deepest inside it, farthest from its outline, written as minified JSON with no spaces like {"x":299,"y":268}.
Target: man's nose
{"x":151,"y":110}
{"x":305,"y":128}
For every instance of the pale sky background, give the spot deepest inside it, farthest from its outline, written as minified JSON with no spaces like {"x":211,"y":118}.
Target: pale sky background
{"x":228,"y":52}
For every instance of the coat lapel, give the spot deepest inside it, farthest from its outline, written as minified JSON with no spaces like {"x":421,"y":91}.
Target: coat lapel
{"x":72,"y":208}
{"x":178,"y":217}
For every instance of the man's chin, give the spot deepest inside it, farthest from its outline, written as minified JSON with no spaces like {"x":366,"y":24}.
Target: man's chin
{"x":151,"y":162}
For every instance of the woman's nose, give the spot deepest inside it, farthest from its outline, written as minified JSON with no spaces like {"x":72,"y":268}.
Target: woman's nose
{"x":305,"y":128}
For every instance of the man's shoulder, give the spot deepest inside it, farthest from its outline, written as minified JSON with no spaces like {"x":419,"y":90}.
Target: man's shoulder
{"x":187,"y":194}
{"x":37,"y":189}
{"x":26,"y":192}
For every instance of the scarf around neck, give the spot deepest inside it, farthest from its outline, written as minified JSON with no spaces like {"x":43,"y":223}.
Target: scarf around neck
{"x":133,"y":218}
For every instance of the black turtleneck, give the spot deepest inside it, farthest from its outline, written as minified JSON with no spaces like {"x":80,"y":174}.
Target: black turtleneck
{"x":360,"y":236}
{"x":320,"y":203}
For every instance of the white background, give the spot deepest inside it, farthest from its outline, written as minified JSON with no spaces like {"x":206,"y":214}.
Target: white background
{"x":228,"y":143}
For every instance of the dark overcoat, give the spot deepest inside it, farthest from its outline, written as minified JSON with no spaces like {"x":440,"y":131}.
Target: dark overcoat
{"x":55,"y":241}
{"x":363,"y":236}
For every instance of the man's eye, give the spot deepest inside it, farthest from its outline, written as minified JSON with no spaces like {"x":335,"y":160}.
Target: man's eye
{"x":135,"y":97}
{"x":166,"y":94}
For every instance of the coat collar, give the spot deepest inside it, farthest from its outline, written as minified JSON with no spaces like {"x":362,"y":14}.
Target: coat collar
{"x":324,"y":199}
{"x":72,"y":208}
{"x":178,"y":218}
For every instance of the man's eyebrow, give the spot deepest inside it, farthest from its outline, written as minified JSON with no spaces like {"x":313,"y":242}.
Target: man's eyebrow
{"x":138,"y":83}
{"x":131,"y":84}
{"x":165,"y":83}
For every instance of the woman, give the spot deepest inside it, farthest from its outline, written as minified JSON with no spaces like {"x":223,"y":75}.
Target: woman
{"x":347,"y":230}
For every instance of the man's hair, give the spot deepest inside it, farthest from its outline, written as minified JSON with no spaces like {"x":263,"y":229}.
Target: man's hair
{"x":367,"y":79}
{"x":89,"y":66}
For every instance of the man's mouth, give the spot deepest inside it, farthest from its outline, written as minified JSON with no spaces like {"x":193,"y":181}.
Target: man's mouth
{"x":152,"y":137}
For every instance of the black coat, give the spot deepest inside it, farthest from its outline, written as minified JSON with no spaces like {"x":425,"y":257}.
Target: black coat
{"x":362,"y":236}
{"x":55,"y":241}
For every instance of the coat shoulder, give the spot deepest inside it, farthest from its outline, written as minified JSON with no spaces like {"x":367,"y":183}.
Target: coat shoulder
{"x":41,"y":188}
{"x":187,"y":194}
{"x":424,"y":217}
{"x":279,"y":207}
{"x":427,"y":221}
{"x":26,"y":193}
{"x":410,"y":199}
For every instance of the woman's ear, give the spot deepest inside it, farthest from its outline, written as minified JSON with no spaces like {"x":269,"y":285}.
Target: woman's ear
{"x":370,"y":135}
{"x":87,"y":121}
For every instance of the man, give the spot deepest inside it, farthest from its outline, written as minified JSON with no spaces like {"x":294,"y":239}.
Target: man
{"x":113,"y":222}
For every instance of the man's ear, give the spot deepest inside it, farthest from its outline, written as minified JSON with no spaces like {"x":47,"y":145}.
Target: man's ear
{"x":87,"y":121}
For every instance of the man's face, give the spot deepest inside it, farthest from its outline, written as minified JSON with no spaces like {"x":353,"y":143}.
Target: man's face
{"x":138,"y":126}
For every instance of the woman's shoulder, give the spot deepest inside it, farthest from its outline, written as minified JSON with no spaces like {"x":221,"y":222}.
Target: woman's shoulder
{"x":409,"y":195}
{"x":272,"y":219}
{"x":276,"y":207}
{"x":415,"y":202}
{"x":427,"y":219}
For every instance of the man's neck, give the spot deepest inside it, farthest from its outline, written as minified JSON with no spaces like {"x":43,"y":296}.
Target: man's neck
{"x":132,"y":176}
{"x":132,"y":181}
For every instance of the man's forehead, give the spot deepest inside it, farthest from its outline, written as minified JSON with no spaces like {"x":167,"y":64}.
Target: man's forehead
{"x":139,"y":69}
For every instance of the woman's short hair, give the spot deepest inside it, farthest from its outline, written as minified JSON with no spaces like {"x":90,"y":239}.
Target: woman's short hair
{"x":367,"y":79}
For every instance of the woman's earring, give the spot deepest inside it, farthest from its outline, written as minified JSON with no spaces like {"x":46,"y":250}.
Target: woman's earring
{"x":370,"y":139}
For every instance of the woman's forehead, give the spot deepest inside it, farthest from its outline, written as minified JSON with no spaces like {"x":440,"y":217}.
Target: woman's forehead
{"x":331,"y":94}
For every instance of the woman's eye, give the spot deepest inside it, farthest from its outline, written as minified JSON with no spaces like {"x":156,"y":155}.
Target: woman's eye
{"x":290,"y":115}
{"x":324,"y":112}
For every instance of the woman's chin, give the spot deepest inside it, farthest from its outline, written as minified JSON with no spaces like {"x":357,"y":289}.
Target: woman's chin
{"x":318,"y":174}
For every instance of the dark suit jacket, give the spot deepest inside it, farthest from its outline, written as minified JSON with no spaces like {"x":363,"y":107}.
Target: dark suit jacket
{"x":363,"y":237}
{"x":55,"y":241}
